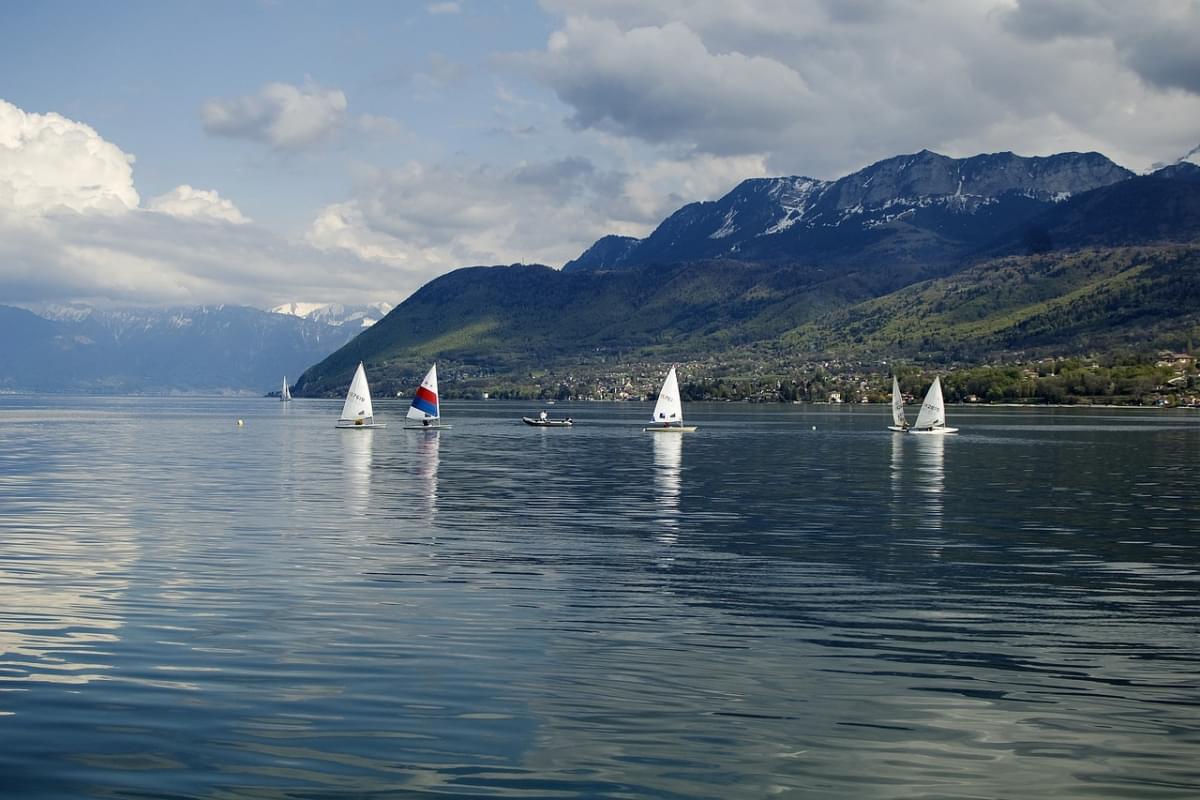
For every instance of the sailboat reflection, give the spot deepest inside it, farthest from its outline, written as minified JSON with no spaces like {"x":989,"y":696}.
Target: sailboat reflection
{"x":668,"y":479}
{"x":898,"y":507}
{"x":427,"y":472}
{"x":356,"y":469}
{"x":931,"y":477}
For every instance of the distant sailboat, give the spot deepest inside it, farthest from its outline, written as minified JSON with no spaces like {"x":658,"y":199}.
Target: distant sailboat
{"x":425,"y":413}
{"x":357,"y":412}
{"x":668,"y":411}
{"x":932,"y":418}
{"x":899,"y":423}
{"x":286,"y":394}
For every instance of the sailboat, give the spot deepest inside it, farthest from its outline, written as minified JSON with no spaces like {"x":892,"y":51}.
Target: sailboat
{"x":286,"y":394}
{"x":668,"y":411}
{"x":932,"y":418}
{"x":357,"y":412}
{"x":425,"y":413}
{"x":899,"y":423}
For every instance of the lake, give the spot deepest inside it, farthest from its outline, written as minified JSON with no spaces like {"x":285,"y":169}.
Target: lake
{"x":790,"y":601}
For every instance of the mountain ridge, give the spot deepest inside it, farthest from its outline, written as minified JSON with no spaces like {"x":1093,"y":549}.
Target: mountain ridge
{"x":491,"y":324}
{"x":919,"y":195}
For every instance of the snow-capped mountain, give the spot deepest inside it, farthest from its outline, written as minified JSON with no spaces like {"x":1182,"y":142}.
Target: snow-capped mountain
{"x":359,"y":316}
{"x":201,"y":349}
{"x":903,"y":203}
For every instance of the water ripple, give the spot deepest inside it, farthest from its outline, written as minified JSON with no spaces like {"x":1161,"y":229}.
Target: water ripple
{"x":192,"y":609}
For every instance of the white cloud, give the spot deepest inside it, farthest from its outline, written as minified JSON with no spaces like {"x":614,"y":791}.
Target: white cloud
{"x":71,"y":229}
{"x":284,"y":116}
{"x":823,"y":87}
{"x":1157,"y":39}
{"x":153,"y":258}
{"x":431,"y":219}
{"x":184,"y":201}
{"x":444,"y":8}
{"x":340,"y":226}
{"x":663,"y":84}
{"x":49,"y":162}
{"x":658,"y":189}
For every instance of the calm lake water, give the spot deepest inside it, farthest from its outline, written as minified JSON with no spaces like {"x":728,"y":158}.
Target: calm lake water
{"x":791,"y":601}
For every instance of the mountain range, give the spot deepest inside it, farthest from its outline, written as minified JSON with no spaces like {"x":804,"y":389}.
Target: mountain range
{"x":206,"y":349}
{"x":358,"y":316}
{"x":923,"y":211}
{"x":783,"y":269}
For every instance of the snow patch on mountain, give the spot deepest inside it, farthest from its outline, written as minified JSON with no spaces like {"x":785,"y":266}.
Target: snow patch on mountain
{"x":363,"y":316}
{"x":794,"y":196}
{"x":728,"y":226}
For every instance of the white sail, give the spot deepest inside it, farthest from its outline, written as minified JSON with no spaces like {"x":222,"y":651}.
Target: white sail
{"x":897,"y":404}
{"x":425,"y":400}
{"x":358,"y":400}
{"x":668,"y":410}
{"x":286,"y":394}
{"x":933,"y":408}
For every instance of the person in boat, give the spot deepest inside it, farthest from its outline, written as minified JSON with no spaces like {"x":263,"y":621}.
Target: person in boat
{"x":425,"y":421}
{"x":542,"y":415}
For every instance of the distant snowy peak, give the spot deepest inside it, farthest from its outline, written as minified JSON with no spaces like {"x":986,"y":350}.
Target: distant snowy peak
{"x":363,"y":316}
{"x":298,"y":309}
{"x":71,"y":312}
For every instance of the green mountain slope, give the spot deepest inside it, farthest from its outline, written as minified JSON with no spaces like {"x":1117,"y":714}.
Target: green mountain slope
{"x":508,"y":320}
{"x":1113,"y":268}
{"x":1091,"y":300}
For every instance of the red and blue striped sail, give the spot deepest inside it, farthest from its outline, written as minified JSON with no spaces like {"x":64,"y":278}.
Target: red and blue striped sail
{"x":425,"y":400}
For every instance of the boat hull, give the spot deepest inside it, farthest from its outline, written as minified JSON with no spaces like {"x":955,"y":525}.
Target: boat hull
{"x":897,"y":428}
{"x":932,"y":431}
{"x":428,"y":427}
{"x":349,"y":424}
{"x":548,"y":423}
{"x":673,"y":429}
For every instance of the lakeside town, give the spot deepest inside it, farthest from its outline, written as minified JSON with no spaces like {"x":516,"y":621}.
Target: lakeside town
{"x":1166,"y":379}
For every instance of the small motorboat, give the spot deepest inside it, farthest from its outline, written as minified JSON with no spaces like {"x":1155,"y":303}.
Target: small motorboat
{"x":543,"y":420}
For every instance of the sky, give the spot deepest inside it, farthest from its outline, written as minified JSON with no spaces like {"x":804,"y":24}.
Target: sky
{"x":261,"y":153}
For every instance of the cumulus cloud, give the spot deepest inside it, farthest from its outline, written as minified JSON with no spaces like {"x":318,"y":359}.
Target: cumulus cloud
{"x":434,"y":218}
{"x":184,"y":201}
{"x":662,"y":83}
{"x":71,"y":228}
{"x":1156,"y":39}
{"x":341,"y":226}
{"x":49,"y":162}
{"x":284,"y":116}
{"x":430,"y":219}
{"x":154,"y":258}
{"x":657,"y":189}
{"x":824,"y":86}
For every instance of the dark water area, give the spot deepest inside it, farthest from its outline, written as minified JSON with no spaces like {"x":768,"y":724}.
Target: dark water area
{"x":790,"y":601}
